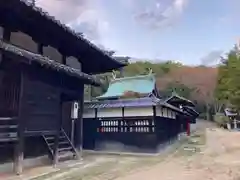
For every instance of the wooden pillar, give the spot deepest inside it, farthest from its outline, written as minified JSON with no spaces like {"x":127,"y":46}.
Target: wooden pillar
{"x":1,"y":57}
{"x":19,"y":148}
{"x":59,"y":128}
{"x":235,"y":123}
{"x":64,"y":59}
{"x":40,"y":48}
{"x":6,"y":35}
{"x":153,"y":120}
{"x":188,"y":126}
{"x":121,"y":72}
{"x":79,"y":124}
{"x":57,"y":135}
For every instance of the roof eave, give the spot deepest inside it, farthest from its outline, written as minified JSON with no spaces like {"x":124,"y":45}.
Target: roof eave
{"x":77,"y":39}
{"x":190,"y":103}
{"x":45,"y":61}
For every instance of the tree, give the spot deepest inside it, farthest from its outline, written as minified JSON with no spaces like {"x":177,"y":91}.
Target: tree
{"x":179,"y":88}
{"x":228,"y":84}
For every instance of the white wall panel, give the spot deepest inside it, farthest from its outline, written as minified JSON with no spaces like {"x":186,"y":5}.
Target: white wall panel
{"x":174,"y":115}
{"x":89,"y":113}
{"x":138,"y":111}
{"x":171,"y":114}
{"x":158,"y":111}
{"x":109,"y":112}
{"x":165,"y":112}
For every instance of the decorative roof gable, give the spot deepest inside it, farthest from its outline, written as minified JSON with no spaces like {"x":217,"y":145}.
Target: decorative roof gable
{"x":142,"y":85}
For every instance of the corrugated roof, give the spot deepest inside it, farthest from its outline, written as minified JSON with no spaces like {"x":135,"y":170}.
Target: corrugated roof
{"x":139,"y":84}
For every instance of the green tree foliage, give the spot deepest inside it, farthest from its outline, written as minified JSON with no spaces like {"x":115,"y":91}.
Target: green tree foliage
{"x":142,"y":67}
{"x":179,"y":88}
{"x":228,"y":86}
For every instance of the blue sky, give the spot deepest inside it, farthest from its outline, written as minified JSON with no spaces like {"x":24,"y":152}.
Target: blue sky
{"x":190,"y":31}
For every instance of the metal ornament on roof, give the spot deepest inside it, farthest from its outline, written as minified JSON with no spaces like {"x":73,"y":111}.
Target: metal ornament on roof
{"x":114,"y":76}
{"x":150,"y":71}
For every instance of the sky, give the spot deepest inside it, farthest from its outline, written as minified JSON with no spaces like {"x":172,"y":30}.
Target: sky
{"x":192,"y":32}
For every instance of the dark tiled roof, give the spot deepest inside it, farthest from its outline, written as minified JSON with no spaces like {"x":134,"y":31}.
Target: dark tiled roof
{"x":176,"y":98}
{"x":140,"y":102}
{"x":61,"y":25}
{"x":46,"y":62}
{"x":137,"y":102}
{"x":230,"y":112}
{"x":191,"y":111}
{"x":26,"y":9}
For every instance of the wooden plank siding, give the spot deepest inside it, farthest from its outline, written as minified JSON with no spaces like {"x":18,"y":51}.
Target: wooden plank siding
{"x":41,"y":107}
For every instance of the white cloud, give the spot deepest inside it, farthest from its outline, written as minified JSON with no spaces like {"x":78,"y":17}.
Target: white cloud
{"x":212,"y":57}
{"x":81,"y":15}
{"x":65,"y":10}
{"x":163,"y":13}
{"x":92,"y":24}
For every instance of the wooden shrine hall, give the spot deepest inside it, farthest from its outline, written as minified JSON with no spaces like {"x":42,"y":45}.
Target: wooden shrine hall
{"x":132,"y":117}
{"x":43,"y":68}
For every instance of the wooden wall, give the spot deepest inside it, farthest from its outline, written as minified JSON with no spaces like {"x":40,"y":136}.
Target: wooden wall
{"x":9,"y":90}
{"x":66,"y":117}
{"x":24,"y":41}
{"x":113,"y":134}
{"x":41,"y":102}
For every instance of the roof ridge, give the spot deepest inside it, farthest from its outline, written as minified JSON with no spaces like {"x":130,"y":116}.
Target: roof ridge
{"x":68,"y":29}
{"x":133,"y":77}
{"x":118,"y":87}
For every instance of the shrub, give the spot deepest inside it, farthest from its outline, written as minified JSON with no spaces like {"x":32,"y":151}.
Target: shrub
{"x":221,"y":120}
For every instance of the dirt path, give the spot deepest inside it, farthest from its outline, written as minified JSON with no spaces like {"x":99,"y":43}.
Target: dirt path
{"x":218,"y":159}
{"x":210,"y":153}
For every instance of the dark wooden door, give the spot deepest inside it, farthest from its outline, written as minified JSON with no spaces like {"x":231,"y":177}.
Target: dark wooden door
{"x":66,"y":115}
{"x":9,"y":93}
{"x":89,"y":133}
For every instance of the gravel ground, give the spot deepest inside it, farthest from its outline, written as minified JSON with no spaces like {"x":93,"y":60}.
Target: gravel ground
{"x":210,"y":153}
{"x":216,"y":157}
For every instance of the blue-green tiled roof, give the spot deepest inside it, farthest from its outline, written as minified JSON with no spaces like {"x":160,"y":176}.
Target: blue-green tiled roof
{"x":140,"y":84}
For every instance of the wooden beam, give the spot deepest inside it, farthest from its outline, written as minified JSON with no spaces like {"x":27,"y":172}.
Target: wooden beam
{"x":19,"y":147}
{"x":188,"y":126}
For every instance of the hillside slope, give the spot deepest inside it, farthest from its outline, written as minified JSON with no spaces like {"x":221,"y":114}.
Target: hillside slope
{"x":201,"y":79}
